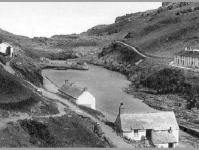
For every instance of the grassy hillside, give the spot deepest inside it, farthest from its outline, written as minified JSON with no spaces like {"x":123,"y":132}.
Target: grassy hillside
{"x":28,"y":69}
{"x":117,"y":57}
{"x":160,"y":32}
{"x":163,"y":31}
{"x":69,"y":130}
{"x":11,"y":88}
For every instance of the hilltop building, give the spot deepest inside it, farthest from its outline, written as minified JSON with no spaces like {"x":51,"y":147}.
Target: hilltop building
{"x":188,"y":58}
{"x":159,"y":128}
{"x":6,"y":49}
{"x":80,"y":96}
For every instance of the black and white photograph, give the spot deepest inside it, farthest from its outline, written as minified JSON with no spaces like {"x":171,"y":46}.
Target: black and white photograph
{"x":99,"y":74}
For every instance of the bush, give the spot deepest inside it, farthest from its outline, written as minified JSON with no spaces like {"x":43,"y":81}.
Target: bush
{"x":173,"y":81}
{"x":165,"y":81}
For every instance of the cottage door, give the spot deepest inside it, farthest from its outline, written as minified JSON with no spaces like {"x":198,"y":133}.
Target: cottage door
{"x":8,"y":51}
{"x":170,"y":145}
{"x":148,"y":134}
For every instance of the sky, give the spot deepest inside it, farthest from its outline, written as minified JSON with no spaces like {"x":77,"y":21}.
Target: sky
{"x":49,"y":18}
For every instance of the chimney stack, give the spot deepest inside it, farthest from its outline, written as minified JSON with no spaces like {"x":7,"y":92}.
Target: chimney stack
{"x":66,"y":81}
{"x":85,"y":88}
{"x":120,"y":107}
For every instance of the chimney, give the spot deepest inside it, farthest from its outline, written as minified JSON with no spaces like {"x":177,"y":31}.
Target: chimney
{"x":121,"y":107}
{"x":85,"y":89}
{"x":170,"y":130}
{"x":66,"y":81}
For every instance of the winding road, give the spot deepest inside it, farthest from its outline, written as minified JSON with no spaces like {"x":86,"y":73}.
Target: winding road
{"x":133,"y":48}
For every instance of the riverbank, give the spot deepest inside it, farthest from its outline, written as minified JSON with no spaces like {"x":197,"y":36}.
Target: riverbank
{"x":63,"y":65}
{"x":107,"y":87}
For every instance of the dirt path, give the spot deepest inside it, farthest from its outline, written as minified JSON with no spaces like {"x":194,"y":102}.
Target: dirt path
{"x":22,"y":116}
{"x":133,"y":48}
{"x":18,"y":116}
{"x":8,"y":68}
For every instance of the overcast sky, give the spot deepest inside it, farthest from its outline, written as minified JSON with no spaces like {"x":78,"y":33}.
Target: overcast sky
{"x":50,"y":18}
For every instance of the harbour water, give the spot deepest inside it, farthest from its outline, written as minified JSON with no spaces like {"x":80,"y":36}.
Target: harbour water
{"x":107,"y":87}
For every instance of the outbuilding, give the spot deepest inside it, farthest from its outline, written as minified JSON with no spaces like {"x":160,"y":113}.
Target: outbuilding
{"x":6,"y":49}
{"x":80,"y":96}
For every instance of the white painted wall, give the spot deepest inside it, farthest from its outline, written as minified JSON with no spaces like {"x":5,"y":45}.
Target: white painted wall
{"x":131,"y":135}
{"x":176,"y":135}
{"x":3,"y":47}
{"x":164,"y":145}
{"x":161,"y":145}
{"x":86,"y":99}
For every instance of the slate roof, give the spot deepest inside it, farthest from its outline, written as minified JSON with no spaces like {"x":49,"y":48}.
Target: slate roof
{"x":163,"y":137}
{"x":194,"y":54}
{"x":156,"y":121}
{"x":71,"y":90}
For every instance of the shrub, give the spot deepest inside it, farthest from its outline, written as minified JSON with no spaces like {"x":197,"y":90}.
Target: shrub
{"x":166,"y":81}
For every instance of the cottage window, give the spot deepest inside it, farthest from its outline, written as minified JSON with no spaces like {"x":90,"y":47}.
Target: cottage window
{"x":136,"y":132}
{"x":170,"y":130}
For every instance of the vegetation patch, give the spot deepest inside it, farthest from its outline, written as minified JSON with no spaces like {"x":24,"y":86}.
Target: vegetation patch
{"x":172,"y":81}
{"x":11,"y":88}
{"x":67,"y":131}
{"x":39,"y":133}
{"x":28,"y":69}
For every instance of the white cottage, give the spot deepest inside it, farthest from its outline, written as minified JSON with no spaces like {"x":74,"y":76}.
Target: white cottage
{"x":6,"y":49}
{"x":80,"y":96}
{"x":160,"y":128}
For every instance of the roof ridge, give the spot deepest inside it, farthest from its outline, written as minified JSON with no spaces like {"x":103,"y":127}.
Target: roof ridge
{"x":148,"y":112}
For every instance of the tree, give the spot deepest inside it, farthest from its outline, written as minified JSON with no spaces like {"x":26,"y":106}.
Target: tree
{"x":193,"y":97}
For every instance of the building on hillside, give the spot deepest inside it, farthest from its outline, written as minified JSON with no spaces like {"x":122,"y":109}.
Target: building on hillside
{"x":159,"y":128}
{"x":80,"y":96}
{"x":6,"y":49}
{"x":188,"y":58}
{"x":44,"y":59}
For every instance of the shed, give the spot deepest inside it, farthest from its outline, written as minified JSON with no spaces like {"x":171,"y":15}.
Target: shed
{"x":6,"y":49}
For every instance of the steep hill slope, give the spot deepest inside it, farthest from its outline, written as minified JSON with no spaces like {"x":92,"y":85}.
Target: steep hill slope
{"x":163,"y":31}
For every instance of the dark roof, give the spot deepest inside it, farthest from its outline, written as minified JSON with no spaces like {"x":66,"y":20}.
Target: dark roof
{"x":194,"y":54}
{"x":156,"y":121}
{"x":71,"y":90}
{"x":162,"y":137}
